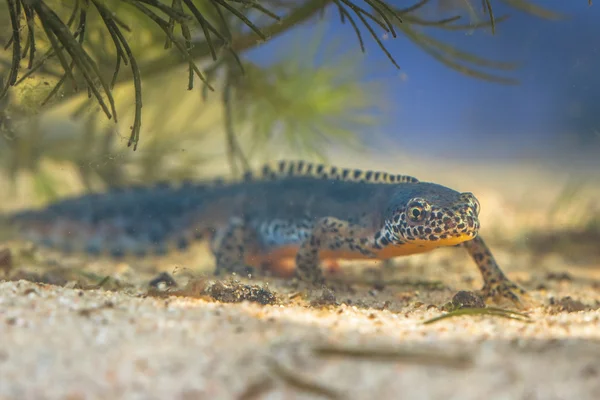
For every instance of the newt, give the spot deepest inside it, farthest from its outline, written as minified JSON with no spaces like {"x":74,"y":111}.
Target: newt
{"x":293,"y":212}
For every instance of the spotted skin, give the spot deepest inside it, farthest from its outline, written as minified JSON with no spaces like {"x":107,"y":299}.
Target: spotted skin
{"x":230,"y":248}
{"x":334,"y":235}
{"x":496,"y":284}
{"x":293,"y":211}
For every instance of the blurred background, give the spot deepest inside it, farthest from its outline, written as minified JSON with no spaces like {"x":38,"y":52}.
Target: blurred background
{"x":512,"y":116}
{"x":550,"y":115}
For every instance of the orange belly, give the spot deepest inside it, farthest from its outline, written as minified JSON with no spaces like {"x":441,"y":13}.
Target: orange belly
{"x":281,"y":261}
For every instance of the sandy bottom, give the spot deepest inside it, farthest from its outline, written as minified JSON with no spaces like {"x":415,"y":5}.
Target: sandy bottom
{"x":266,"y":338}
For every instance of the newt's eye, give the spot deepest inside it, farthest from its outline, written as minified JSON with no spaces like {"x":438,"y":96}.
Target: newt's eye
{"x":417,"y":210}
{"x":415,"y":213}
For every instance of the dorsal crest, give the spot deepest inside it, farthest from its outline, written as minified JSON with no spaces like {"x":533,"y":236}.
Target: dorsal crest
{"x":291,"y":168}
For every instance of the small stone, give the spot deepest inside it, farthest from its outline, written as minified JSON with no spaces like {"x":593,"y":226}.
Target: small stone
{"x":163,"y":279}
{"x":467,"y":299}
{"x":559,"y":276}
{"x":569,"y":305}
{"x":236,"y":293}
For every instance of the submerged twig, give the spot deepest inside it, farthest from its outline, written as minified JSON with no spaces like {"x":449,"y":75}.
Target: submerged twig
{"x":164,"y":25}
{"x":206,"y":27}
{"x":389,"y":353}
{"x":57,"y":33}
{"x":487,"y":7}
{"x":233,"y":147}
{"x":79,"y":34}
{"x":187,"y":35}
{"x":122,"y":47}
{"x":493,"y":311}
{"x":242,"y":17}
{"x":345,"y":14}
{"x":361,"y":14}
{"x":15,"y":18}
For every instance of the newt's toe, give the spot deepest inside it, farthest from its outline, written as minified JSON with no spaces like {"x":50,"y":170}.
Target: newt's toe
{"x":505,"y":290}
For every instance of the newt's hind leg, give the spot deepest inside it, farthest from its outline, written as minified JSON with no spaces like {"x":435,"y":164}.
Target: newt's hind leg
{"x":496,"y":284}
{"x":329,"y":234}
{"x":230,"y":247}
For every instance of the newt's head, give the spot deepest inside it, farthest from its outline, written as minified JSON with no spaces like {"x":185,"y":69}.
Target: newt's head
{"x":428,"y":214}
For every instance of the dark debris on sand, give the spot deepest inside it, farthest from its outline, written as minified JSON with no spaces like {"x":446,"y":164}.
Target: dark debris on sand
{"x":234,"y":292}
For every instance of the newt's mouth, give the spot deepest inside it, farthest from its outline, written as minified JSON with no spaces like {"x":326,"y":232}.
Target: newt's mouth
{"x":445,"y":241}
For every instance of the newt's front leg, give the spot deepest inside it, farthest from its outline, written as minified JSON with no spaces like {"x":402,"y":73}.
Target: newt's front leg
{"x":330,"y":234}
{"x":496,"y":284}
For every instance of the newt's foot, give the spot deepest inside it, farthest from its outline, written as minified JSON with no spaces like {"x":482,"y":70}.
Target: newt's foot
{"x":504,"y":290}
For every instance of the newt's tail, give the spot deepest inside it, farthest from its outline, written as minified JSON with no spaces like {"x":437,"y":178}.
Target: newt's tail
{"x":132,"y":222}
